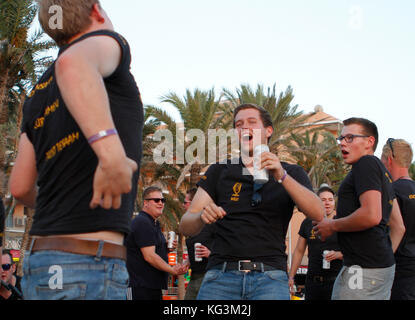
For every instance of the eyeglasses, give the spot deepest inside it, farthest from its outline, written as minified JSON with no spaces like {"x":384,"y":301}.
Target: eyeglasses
{"x":157,"y":200}
{"x":389,"y":142}
{"x":6,"y":267}
{"x":349,"y":137}
{"x":256,"y":196}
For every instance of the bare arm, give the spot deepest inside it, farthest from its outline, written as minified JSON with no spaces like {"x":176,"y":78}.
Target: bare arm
{"x":22,"y":182}
{"x":202,"y":211}
{"x":150,"y":256}
{"x":79,"y":73}
{"x":397,"y":227}
{"x":297,"y":256}
{"x":306,"y":200}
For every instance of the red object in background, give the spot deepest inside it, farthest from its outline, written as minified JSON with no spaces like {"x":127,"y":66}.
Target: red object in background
{"x":172,"y":259}
{"x":15,"y":254}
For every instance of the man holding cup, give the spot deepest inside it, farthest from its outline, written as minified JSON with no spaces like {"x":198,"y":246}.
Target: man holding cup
{"x":250,"y":218}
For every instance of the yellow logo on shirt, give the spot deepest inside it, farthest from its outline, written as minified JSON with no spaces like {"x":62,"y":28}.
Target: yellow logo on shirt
{"x":412,"y":196}
{"x":313,"y":235}
{"x":236,"y":191}
{"x":389,"y":178}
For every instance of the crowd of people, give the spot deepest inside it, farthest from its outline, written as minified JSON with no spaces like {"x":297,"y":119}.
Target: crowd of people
{"x":78,"y":166}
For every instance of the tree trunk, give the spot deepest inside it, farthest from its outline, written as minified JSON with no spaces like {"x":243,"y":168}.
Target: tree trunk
{"x":195,"y":174}
{"x":180,"y":286}
{"x":25,"y":241}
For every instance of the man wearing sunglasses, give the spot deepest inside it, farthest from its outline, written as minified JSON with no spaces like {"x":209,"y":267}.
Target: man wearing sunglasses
{"x":250,"y":221}
{"x":8,"y":278}
{"x":366,"y":209}
{"x":147,"y":260}
{"x":397,"y":157}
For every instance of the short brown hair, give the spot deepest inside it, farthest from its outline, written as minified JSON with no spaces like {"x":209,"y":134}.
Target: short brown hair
{"x":369,"y":128}
{"x":402,"y":152}
{"x":76,"y":18}
{"x":264,"y":114}
{"x":149,"y":190}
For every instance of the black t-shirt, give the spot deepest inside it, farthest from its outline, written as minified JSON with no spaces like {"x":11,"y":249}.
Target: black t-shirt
{"x":66,"y":163}
{"x":145,"y":232}
{"x":205,"y":237}
{"x":315,"y":251}
{"x":2,"y":217}
{"x":405,"y":255}
{"x":370,"y":248}
{"x":246,"y":232}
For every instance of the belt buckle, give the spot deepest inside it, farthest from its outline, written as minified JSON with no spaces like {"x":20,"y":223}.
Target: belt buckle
{"x":239,"y":265}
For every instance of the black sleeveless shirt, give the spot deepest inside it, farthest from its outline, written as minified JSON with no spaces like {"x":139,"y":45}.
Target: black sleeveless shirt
{"x":66,"y":163}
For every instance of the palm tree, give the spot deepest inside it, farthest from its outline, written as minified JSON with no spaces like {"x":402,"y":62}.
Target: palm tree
{"x":198,"y":110}
{"x":412,"y":171}
{"x":285,"y":117}
{"x":318,"y":153}
{"x":22,"y":60}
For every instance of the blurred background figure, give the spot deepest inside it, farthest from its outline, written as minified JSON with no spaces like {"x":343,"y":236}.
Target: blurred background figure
{"x":321,"y":274}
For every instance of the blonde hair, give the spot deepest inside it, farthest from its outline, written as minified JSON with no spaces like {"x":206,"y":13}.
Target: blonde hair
{"x":402,"y":151}
{"x":75,"y":18}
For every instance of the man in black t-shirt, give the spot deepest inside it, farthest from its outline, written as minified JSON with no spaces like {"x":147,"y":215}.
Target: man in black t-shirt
{"x":147,"y":260}
{"x":366,"y":207}
{"x":397,"y":157}
{"x":79,"y":151}
{"x":319,"y":280}
{"x":250,"y":220}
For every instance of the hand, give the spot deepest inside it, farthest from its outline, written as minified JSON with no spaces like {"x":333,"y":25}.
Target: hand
{"x":323,"y":229}
{"x":334,"y":255}
{"x":202,"y":252}
{"x":111,"y":180}
{"x":212,"y":213}
{"x":174,"y":245}
{"x":179,"y":269}
{"x":272,"y":163}
{"x":291,"y":286}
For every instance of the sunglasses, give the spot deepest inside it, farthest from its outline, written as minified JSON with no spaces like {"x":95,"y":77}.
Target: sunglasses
{"x":256,"y":196}
{"x":6,"y":267}
{"x":389,"y":142}
{"x":349,"y":137}
{"x":157,"y":200}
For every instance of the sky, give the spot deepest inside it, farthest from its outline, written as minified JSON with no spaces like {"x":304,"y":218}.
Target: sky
{"x":354,"y":58}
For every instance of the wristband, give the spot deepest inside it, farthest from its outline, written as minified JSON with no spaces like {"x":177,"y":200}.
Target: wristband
{"x":283,"y":177}
{"x":102,"y":134}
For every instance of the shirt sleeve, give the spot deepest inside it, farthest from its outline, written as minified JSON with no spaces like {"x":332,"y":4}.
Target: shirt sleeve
{"x":367,"y":175}
{"x":299,"y":174}
{"x":303,"y":232}
{"x":209,"y":181}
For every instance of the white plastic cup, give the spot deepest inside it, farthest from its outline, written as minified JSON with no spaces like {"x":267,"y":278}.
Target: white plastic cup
{"x":171,"y":238}
{"x":326,"y":264}
{"x":260,"y":176}
{"x":197,"y":258}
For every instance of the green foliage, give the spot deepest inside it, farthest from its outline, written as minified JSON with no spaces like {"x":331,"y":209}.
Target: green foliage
{"x":412,"y":171}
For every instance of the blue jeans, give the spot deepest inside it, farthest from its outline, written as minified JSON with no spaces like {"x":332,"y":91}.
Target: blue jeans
{"x":57,"y":275}
{"x":239,"y":285}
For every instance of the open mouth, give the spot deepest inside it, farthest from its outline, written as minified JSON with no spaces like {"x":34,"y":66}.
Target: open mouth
{"x":345,"y":153}
{"x":246,"y":137}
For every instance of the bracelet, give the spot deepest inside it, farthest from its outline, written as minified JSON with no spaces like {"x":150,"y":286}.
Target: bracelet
{"x":283,"y":177}
{"x":102,"y":134}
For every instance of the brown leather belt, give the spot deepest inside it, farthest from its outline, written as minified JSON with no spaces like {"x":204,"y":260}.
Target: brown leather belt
{"x":80,"y":246}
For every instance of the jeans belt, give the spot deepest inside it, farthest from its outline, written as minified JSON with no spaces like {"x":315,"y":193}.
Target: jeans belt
{"x":80,"y":246}
{"x":248,"y":266}
{"x":323,"y":278}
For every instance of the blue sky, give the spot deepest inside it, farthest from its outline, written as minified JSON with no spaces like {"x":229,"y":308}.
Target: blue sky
{"x":355,"y":58}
